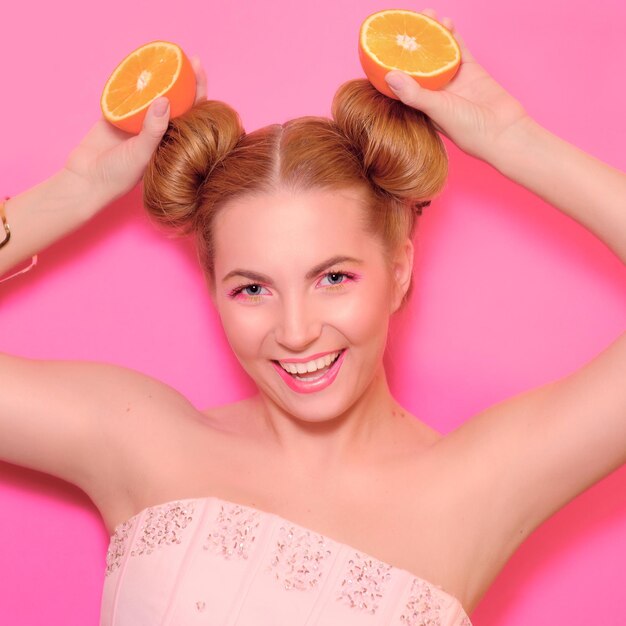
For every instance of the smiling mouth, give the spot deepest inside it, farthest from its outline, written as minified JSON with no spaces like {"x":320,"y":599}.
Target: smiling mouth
{"x":312,"y":369}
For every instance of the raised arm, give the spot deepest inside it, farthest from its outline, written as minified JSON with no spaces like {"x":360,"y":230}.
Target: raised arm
{"x":581,"y":186}
{"x":485,"y":121}
{"x":526,"y":457}
{"x":60,"y":417}
{"x":107,"y":164}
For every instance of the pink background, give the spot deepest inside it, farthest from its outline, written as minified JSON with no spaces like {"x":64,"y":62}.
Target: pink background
{"x":509,"y":293}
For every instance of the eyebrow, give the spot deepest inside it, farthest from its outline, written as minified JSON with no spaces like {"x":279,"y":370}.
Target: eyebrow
{"x":312,"y":273}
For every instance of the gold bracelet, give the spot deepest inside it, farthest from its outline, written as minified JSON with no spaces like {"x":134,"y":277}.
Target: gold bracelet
{"x":4,"y":242}
{"x":7,"y":230}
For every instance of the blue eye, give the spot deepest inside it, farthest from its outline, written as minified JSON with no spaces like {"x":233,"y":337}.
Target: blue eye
{"x":252,"y":292}
{"x":337,"y":278}
{"x":246,"y":292}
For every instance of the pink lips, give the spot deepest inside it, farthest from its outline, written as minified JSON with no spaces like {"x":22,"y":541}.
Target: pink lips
{"x":302,"y":386}
{"x":308,"y":358}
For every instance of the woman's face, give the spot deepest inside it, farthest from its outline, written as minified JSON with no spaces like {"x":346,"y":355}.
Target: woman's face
{"x":299,"y":280}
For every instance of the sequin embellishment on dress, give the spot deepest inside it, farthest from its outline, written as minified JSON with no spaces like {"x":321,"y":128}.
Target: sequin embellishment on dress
{"x":365,"y":583}
{"x":235,"y":531}
{"x":299,"y":557}
{"x":117,"y":547}
{"x":282,"y":555}
{"x":164,"y":525}
{"x":422,"y":609}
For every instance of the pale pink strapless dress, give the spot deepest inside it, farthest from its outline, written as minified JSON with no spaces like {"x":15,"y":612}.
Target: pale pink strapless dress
{"x":218,"y":563}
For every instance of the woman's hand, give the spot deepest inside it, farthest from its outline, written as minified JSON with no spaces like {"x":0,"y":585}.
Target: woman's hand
{"x":109,"y":162}
{"x":472,"y":110}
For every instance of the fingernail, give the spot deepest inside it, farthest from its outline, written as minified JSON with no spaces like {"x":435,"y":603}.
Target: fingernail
{"x":395,"y":81}
{"x":160,"y":107}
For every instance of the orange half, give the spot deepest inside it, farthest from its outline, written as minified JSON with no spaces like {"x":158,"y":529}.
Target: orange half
{"x":158,"y":68}
{"x":396,"y":39}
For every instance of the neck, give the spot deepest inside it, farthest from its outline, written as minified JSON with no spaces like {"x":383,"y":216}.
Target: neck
{"x":360,"y":432}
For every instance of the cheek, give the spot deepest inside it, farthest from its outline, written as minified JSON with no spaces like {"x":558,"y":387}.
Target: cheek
{"x":245,"y":328}
{"x":364,"y":316}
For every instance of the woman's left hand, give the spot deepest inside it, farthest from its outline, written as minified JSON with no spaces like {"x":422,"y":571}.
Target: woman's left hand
{"x":109,"y":162}
{"x":473,"y":110}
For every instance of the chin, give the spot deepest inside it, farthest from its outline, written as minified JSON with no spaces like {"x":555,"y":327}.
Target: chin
{"x":313,"y":407}
{"x":336,"y":396}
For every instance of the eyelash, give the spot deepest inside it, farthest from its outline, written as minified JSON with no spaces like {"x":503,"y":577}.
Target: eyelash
{"x":237,"y":292}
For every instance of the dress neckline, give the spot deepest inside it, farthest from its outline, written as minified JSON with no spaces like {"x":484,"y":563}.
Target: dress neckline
{"x":454,"y":599}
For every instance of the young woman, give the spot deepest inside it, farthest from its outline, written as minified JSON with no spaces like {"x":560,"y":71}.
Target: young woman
{"x":319,"y":500}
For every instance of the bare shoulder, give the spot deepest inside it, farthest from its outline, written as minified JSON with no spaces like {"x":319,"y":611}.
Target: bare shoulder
{"x":59,"y":417}
{"x":524,"y":458}
{"x":133,"y":414}
{"x":167,"y":449}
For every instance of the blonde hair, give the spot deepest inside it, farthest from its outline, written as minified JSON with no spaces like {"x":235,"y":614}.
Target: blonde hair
{"x":206,"y":159}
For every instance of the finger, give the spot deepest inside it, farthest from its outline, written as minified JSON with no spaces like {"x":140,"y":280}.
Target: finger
{"x":201,"y":79}
{"x":411,"y":93}
{"x":430,"y":13}
{"x":466,"y":55}
{"x":447,"y":22}
{"x":154,"y":126}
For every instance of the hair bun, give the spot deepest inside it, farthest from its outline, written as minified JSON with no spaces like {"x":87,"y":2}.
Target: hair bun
{"x":401,"y":152}
{"x":193,"y":145}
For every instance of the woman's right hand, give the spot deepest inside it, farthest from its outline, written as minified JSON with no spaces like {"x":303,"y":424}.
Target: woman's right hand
{"x":473,"y":110}
{"x":110,"y":162}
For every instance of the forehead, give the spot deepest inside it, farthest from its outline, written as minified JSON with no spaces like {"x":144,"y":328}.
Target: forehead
{"x":293,"y":224}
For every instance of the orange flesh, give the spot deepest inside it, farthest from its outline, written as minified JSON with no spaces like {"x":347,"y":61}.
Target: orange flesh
{"x":141,"y":79}
{"x":410,"y":43}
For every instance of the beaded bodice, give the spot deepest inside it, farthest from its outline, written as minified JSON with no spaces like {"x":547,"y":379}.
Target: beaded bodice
{"x":218,"y":563}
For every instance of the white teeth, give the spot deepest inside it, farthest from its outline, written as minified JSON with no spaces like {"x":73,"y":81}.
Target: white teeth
{"x":310,"y":366}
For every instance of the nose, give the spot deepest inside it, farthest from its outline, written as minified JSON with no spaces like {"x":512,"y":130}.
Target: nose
{"x":299,"y":324}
